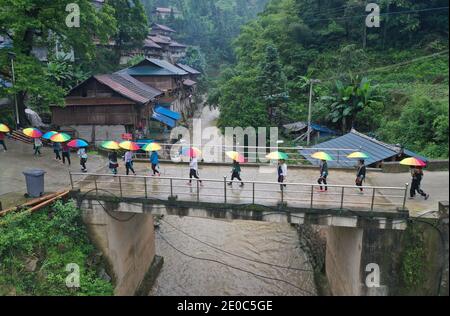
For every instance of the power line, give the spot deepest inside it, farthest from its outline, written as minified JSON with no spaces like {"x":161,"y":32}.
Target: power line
{"x":232,"y":254}
{"x":381,"y":14}
{"x":235,"y":268}
{"x":383,"y":68}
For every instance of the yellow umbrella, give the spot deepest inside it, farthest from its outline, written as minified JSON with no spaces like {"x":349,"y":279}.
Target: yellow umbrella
{"x":4,"y":128}
{"x":322,"y":156}
{"x":152,"y":147}
{"x":235,"y":156}
{"x":277,"y":155}
{"x":358,"y":155}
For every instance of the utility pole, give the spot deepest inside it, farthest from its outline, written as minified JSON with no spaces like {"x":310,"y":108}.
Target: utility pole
{"x":12,"y":56}
{"x":311,"y":82}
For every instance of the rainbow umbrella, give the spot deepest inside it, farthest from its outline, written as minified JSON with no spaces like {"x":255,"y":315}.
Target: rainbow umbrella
{"x":358,"y":155}
{"x":152,"y":147}
{"x":277,"y":155}
{"x":60,"y":138}
{"x":413,"y":162}
{"x":191,"y":152}
{"x":131,"y":146}
{"x":78,"y":143}
{"x":49,"y":135}
{"x":32,"y":132}
{"x":235,"y":156}
{"x":4,"y":128}
{"x":322,"y":156}
{"x":111,"y":145}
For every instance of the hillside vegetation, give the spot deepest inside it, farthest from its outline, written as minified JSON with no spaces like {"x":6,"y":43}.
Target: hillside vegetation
{"x":389,"y":82}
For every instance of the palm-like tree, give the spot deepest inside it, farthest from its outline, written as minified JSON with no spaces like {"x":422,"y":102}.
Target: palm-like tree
{"x":349,"y":100}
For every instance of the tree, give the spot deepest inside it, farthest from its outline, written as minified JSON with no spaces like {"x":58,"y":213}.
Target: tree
{"x":349,"y":100}
{"x":132,"y":24}
{"x":273,"y":84}
{"x":43,"y":23}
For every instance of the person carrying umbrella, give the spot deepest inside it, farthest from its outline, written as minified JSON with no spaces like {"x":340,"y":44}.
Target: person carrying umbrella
{"x":361,"y":174}
{"x":282,"y":173}
{"x":2,"y":141}
{"x":129,"y":162}
{"x":236,"y":173}
{"x":323,"y":176}
{"x":37,"y":146}
{"x":113,"y":162}
{"x":57,"y":150}
{"x":193,"y":170}
{"x":154,"y":160}
{"x":65,"y":153}
{"x":83,"y":158}
{"x":417,"y":176}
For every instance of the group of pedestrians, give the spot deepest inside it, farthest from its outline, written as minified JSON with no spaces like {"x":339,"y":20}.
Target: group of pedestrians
{"x":62,"y":153}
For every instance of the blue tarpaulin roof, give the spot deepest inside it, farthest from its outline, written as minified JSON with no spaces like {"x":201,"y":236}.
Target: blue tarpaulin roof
{"x":173,"y":115}
{"x":5,"y":84}
{"x":164,"y":119}
{"x":342,"y":146}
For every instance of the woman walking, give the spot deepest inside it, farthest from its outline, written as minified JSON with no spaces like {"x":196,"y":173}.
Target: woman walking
{"x":193,"y":171}
{"x":83,"y":159}
{"x":129,"y":162}
{"x":57,"y":151}
{"x":282,"y":174}
{"x":361,"y":174}
{"x":323,"y":176}
{"x":417,"y":176}
{"x":113,"y":162}
{"x":236,"y":173}
{"x":154,"y":160}
{"x":65,"y":153}
{"x":37,"y":146}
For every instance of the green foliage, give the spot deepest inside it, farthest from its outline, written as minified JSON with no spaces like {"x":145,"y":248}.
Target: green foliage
{"x":326,"y":40}
{"x":209,"y":25}
{"x":413,"y":259}
{"x":422,"y":124}
{"x":53,"y":237}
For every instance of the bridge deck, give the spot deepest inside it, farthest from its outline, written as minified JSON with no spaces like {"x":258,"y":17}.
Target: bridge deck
{"x":297,"y":195}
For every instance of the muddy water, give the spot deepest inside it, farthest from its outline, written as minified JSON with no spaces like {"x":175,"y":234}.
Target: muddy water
{"x":264,"y":242}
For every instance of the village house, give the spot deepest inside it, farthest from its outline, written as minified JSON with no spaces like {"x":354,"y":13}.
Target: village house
{"x":168,"y":78}
{"x":105,"y":107}
{"x":165,"y":13}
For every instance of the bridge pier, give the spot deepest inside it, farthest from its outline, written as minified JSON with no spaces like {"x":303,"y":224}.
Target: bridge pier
{"x":127,"y":241}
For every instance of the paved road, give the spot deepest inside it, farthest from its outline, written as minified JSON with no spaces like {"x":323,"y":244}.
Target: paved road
{"x":20,"y":157}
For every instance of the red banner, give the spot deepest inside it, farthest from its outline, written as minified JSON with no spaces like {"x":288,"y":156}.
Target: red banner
{"x":127,"y":136}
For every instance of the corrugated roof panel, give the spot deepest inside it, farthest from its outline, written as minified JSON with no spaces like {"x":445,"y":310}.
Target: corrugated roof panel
{"x":344,"y":145}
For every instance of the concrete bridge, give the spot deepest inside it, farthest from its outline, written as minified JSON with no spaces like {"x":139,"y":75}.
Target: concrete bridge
{"x":297,"y":203}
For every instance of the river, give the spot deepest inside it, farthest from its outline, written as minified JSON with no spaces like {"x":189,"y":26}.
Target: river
{"x":276,"y":244}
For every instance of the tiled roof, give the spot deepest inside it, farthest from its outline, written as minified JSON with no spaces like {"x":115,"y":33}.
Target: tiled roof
{"x":189,"y":69}
{"x":342,"y":146}
{"x":189,"y":82}
{"x":176,"y":44}
{"x":163,"y":27}
{"x":129,"y":87}
{"x":151,"y":44}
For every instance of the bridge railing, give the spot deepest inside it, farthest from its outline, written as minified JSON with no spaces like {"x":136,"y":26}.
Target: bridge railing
{"x":302,"y":195}
{"x":253,"y":154}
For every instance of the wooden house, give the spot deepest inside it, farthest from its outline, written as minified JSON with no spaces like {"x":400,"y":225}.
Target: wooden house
{"x":106,"y":106}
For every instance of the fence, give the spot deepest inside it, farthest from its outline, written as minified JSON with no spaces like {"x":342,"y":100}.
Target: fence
{"x":302,"y":195}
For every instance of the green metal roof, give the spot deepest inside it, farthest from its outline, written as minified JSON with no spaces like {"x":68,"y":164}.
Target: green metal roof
{"x":148,"y":71}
